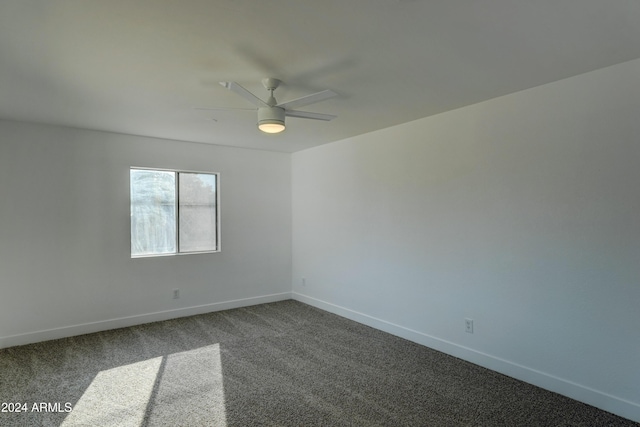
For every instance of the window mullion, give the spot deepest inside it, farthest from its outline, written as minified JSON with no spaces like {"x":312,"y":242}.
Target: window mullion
{"x":177,"y":215}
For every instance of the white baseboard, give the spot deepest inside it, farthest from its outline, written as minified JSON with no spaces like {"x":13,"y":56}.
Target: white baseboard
{"x":123,"y":322}
{"x":605,"y":401}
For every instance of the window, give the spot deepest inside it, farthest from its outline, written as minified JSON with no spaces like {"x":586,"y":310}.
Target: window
{"x":173,"y":212}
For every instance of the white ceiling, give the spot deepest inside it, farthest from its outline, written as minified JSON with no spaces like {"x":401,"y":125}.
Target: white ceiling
{"x":141,"y":66}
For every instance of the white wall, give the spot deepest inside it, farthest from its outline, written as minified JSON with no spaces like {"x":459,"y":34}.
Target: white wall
{"x":65,"y":265}
{"x":521,"y":213}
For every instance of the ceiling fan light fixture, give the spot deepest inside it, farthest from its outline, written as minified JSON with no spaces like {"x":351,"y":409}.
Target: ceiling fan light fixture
{"x":271,"y":127}
{"x":271,"y":119}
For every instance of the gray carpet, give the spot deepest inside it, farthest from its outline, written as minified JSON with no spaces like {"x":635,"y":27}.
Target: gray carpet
{"x":279,"y":364}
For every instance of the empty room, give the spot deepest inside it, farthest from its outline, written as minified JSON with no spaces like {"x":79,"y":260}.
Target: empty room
{"x":336,"y":213}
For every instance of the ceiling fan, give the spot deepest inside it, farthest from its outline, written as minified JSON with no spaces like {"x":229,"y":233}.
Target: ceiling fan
{"x":271,"y":114}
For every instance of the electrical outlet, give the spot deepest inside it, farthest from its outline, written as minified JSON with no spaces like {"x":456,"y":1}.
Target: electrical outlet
{"x":176,"y":293}
{"x":468,"y":326}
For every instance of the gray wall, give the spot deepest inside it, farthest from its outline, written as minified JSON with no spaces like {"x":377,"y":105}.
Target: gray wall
{"x":521,"y":213}
{"x":65,"y":265}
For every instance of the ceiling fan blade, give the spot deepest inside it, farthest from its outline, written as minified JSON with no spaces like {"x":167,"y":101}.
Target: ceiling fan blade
{"x":309,"y":99}
{"x":223,"y":109}
{"x":235,"y":87}
{"x":308,"y":115}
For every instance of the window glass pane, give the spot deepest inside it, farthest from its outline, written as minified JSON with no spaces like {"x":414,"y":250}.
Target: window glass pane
{"x":153,"y":212}
{"x":197,"y":212}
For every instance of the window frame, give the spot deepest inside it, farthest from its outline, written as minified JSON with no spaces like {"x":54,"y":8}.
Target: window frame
{"x":177,"y":173}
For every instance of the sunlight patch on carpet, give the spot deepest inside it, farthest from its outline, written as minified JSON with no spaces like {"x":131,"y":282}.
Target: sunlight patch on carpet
{"x":190,"y":387}
{"x":117,"y":396}
{"x":172,"y":388}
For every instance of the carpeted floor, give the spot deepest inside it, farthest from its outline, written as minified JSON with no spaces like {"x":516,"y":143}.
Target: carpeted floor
{"x":279,"y":364}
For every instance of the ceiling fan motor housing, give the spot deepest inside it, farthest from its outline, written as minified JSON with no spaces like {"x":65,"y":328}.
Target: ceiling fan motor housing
{"x":270,"y":115}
